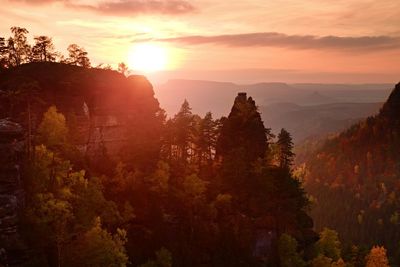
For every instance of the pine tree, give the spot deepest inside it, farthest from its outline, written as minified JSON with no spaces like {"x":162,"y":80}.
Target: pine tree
{"x":285,"y":149}
{"x":18,"y":47}
{"x":78,"y":56}
{"x":288,"y":255}
{"x":206,"y":140}
{"x":43,"y":50}
{"x":184,"y":129}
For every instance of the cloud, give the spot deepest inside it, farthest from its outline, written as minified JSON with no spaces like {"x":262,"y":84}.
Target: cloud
{"x":124,"y":7}
{"x":37,"y":2}
{"x":132,"y":7}
{"x":273,"y":39}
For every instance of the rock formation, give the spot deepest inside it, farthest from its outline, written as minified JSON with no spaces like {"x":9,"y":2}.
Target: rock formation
{"x":11,"y":193}
{"x":102,"y":104}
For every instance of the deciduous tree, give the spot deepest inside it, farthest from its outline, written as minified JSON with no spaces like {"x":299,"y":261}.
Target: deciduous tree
{"x":377,"y":257}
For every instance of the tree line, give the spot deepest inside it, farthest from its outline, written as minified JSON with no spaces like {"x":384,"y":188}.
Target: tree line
{"x":16,"y":50}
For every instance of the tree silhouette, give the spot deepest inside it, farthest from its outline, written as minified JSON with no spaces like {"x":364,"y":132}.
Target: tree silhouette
{"x":123,"y":68}
{"x":78,"y":56}
{"x":285,"y":147}
{"x":43,"y":50}
{"x":18,"y":47}
{"x":3,"y":53}
{"x":206,"y":140}
{"x":184,"y":127}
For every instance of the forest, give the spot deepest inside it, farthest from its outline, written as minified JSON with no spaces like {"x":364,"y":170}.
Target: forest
{"x":108,"y":179}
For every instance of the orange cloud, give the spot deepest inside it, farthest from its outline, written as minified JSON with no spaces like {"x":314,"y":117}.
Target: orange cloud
{"x":273,"y":39}
{"x":125,"y":7}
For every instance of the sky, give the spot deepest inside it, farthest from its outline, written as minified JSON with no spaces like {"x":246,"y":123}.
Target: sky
{"x":332,"y":41}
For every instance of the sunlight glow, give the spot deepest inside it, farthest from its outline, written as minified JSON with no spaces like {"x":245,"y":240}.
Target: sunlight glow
{"x":148,"y":57}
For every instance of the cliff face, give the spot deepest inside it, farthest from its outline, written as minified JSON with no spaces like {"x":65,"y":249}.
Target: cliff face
{"x":101,"y":106}
{"x":11,"y":193}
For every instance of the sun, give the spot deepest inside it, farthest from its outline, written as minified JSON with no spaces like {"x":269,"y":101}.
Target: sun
{"x":147,"y":57}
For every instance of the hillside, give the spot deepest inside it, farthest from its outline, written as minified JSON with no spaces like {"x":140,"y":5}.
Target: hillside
{"x":315,"y":120}
{"x":354,"y":180}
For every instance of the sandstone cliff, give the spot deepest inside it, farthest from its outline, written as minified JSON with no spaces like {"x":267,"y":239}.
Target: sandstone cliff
{"x":103,"y":107}
{"x":11,"y":193}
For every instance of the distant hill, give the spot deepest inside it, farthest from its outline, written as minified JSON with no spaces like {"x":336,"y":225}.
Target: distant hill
{"x":310,"y":109}
{"x":212,"y":96}
{"x":354,"y":180}
{"x":316,"y":120}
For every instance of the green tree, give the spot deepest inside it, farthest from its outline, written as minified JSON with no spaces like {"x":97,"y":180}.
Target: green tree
{"x":329,"y":244}
{"x":53,"y":129}
{"x":321,"y":261}
{"x":194,"y":188}
{"x":159,"y":181}
{"x":63,"y":203}
{"x":288,"y":255}
{"x":285,"y":149}
{"x":163,"y":259}
{"x":56,"y":214}
{"x":377,"y":257}
{"x":98,"y":248}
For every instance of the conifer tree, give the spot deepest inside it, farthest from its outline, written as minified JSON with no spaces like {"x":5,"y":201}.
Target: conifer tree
{"x":17,"y":47}
{"x":285,"y":149}
{"x":43,"y":50}
{"x":78,"y":56}
{"x":206,"y":139}
{"x":184,"y":128}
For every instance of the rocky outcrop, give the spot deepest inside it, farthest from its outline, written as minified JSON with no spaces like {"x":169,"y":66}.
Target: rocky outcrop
{"x":100,"y":105}
{"x":103,"y":109}
{"x":11,"y":193}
